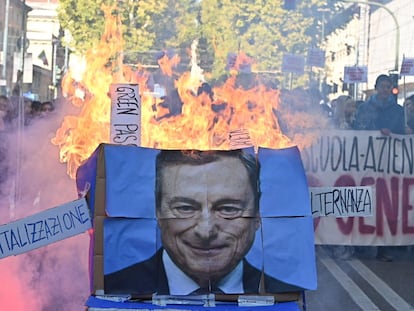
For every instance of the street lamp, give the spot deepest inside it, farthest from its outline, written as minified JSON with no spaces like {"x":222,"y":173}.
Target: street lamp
{"x":52,"y":87}
{"x":323,"y":10}
{"x":5,"y":43}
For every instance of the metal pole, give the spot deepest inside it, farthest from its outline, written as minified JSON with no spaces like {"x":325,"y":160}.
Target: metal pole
{"x":5,"y":42}
{"x":320,"y":76}
{"x":22,"y":116}
{"x":404,"y":88}
{"x":66,"y":64}
{"x":23,"y":44}
{"x":53,"y":69}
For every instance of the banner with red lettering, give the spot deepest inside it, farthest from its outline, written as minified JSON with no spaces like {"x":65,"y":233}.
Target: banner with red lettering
{"x":365,"y":158}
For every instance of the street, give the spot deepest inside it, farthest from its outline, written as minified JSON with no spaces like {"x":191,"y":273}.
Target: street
{"x":363,"y":282}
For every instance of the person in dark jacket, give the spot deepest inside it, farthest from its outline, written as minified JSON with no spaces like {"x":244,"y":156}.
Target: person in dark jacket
{"x":381,"y":111}
{"x":409,"y":108}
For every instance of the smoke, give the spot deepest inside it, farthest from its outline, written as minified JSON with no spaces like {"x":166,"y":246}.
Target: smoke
{"x":54,"y":277}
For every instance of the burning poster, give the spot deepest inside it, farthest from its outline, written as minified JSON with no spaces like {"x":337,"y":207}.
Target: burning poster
{"x":173,"y":236}
{"x":223,"y":222}
{"x":178,"y":109}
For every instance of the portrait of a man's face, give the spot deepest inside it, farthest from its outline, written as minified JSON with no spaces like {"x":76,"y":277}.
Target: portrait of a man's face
{"x":189,"y":222}
{"x":208,"y":216}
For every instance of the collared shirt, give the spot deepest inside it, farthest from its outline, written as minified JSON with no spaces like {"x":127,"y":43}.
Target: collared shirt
{"x":181,"y":284}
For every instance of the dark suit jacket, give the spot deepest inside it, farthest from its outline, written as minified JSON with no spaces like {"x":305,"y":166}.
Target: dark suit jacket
{"x":148,"y":277}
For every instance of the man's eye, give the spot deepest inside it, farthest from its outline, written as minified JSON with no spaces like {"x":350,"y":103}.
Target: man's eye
{"x":229,"y":211}
{"x":185,"y":209}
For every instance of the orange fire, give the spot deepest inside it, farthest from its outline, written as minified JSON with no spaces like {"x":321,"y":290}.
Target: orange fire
{"x":206,"y":119}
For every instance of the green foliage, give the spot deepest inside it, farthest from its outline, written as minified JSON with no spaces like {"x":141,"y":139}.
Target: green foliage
{"x":262,"y":29}
{"x":84,"y":19}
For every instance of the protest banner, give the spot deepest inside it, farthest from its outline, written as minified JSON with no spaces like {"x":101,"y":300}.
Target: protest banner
{"x":341,"y":201}
{"x":365,"y":158}
{"x":355,"y":74}
{"x":44,"y":228}
{"x":293,"y":63}
{"x":407,"y":67}
{"x":128,"y":235}
{"x":316,"y":57}
{"x":125,"y":114}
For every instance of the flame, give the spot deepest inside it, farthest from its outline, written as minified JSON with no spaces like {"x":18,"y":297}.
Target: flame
{"x":207,"y":116}
{"x":167,"y":64}
{"x":79,"y":136}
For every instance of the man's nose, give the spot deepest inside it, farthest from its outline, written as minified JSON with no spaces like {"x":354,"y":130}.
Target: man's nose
{"x":206,"y":225}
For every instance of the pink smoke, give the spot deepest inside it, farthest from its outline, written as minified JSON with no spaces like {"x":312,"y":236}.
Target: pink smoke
{"x":54,"y":277}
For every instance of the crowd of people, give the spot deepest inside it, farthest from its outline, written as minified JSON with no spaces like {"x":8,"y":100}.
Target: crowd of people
{"x":302,"y":110}
{"x":32,"y":109}
{"x":379,"y":112}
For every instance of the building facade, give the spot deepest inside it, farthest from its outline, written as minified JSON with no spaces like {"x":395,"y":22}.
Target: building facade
{"x":43,"y":32}
{"x":31,"y":43}
{"x":378,"y":37}
{"x":12,"y":42}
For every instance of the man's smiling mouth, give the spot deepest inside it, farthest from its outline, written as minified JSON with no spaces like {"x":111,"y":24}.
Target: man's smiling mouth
{"x":208,"y":251}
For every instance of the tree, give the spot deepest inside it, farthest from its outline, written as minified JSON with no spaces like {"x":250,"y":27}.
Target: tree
{"x":84,"y":19}
{"x":262,"y":29}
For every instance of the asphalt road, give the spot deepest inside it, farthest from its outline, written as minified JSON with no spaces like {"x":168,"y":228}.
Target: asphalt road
{"x":362,"y":282}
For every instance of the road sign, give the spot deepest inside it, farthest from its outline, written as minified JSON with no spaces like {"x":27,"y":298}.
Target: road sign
{"x":355,"y":74}
{"x":407,"y":67}
{"x":293,"y":63}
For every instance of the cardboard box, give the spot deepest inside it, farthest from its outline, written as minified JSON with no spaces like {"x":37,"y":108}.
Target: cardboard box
{"x":120,"y":182}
